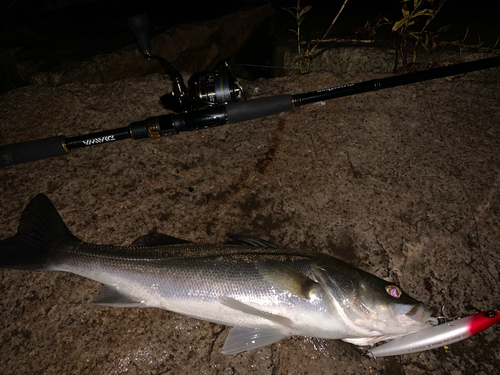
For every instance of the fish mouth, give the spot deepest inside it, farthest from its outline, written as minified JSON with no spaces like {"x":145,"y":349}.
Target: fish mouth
{"x":416,"y":311}
{"x":420,"y":313}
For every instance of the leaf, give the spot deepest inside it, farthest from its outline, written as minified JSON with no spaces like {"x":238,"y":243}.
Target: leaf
{"x":442,"y":30}
{"x":293,"y":31}
{"x":398,"y":24}
{"x":289,"y":10}
{"x":425,"y":12}
{"x":498,"y":39}
{"x":413,"y":35}
{"x":466,"y":33}
{"x":426,"y":48}
{"x":305,"y":10}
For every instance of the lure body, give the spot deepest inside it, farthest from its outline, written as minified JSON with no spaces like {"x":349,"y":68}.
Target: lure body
{"x":438,"y":336}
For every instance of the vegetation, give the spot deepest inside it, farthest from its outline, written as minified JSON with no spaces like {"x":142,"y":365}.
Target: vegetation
{"x":414,"y":29}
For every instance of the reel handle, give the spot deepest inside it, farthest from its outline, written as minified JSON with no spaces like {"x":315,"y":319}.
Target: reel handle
{"x":139,"y":25}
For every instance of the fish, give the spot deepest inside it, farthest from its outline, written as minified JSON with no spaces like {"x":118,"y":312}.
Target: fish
{"x":264,"y":291}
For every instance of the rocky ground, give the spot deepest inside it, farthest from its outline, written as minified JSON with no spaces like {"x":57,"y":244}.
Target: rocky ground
{"x":403,"y":183}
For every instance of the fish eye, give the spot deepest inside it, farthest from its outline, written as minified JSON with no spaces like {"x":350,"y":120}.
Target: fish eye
{"x":393,"y":291}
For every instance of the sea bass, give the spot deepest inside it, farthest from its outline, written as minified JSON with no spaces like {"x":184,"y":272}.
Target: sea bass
{"x":264,"y":291}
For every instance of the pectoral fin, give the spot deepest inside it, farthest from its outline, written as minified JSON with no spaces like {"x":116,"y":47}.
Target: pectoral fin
{"x":247,"y":309}
{"x":286,"y":278}
{"x":339,"y":279}
{"x":241,"y":339}
{"x":109,"y":296}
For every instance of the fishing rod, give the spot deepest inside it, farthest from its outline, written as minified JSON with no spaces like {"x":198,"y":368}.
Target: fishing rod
{"x":212,"y":99}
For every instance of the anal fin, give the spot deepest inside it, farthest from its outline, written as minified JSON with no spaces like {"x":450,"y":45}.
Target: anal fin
{"x":109,"y":296}
{"x":241,"y":339}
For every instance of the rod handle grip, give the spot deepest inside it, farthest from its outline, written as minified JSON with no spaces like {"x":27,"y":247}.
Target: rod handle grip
{"x":257,"y":108}
{"x":32,"y":150}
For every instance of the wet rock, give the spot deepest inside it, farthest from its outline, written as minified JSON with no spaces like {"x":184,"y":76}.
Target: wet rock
{"x":402,"y":182}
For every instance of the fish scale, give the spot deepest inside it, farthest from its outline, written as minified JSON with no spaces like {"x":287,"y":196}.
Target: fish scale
{"x":185,"y":285}
{"x":264,"y":291}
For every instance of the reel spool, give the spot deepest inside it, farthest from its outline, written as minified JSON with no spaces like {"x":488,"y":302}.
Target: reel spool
{"x":217,"y":87}
{"x":205,"y":89}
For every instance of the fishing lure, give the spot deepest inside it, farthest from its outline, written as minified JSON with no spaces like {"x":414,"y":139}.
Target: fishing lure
{"x":438,"y":336}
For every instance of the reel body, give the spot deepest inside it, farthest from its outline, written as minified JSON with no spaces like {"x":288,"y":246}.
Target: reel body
{"x":205,"y":89}
{"x":218,"y":86}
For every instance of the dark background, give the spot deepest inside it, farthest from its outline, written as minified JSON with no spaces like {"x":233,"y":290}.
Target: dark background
{"x":56,"y":30}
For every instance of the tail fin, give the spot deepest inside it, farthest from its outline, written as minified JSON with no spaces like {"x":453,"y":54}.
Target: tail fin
{"x":40,"y":230}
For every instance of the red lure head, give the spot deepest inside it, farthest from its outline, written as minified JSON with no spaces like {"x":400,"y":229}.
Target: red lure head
{"x":482,"y":321}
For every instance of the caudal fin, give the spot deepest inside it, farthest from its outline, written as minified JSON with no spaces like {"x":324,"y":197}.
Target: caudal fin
{"x":40,"y":230}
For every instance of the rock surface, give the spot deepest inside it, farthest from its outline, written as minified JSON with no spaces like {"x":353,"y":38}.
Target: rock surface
{"x":403,"y":183}
{"x":191,"y":47}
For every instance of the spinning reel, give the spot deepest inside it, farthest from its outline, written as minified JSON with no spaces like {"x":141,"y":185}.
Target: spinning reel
{"x":205,"y":89}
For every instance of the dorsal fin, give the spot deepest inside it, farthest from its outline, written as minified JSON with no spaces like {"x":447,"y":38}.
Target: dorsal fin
{"x":251,"y":241}
{"x":157,"y":239}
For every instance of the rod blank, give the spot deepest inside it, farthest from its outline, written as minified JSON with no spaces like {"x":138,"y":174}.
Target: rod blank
{"x":222,"y":114}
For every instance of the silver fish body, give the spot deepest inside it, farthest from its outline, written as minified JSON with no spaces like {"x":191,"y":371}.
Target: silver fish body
{"x":265,"y":292}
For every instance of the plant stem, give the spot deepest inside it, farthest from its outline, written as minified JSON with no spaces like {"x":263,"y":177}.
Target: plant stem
{"x":330,"y":27}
